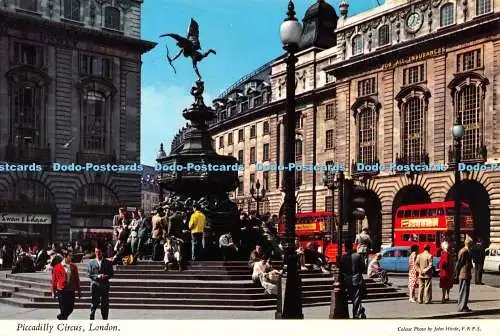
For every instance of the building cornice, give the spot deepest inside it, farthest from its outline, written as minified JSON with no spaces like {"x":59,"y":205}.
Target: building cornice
{"x":441,"y":38}
{"x":65,"y":34}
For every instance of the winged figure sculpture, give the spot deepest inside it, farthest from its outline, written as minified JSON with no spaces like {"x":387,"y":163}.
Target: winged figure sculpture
{"x":190,"y":47}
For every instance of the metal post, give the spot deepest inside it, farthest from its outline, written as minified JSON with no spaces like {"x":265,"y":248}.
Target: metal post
{"x":458,"y":150}
{"x":292,"y":305}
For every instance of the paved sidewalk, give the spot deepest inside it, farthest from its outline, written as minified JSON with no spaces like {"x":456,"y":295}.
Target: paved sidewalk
{"x":484,"y":300}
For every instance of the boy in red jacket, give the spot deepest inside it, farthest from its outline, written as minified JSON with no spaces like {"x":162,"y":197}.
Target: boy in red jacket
{"x":65,"y":282}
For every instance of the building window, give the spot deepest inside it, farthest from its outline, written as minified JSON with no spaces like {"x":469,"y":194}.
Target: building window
{"x":469,"y":60}
{"x":96,"y":194}
{"x":415,"y":74}
{"x":265,"y":180}
{"x":257,"y":101}
{"x":367,"y":136}
{"x":469,"y":103}
{"x":221,"y":142}
{"x":330,"y":112}
{"x":383,"y":36}
{"x":94,"y":122}
{"x":27,"y":109}
{"x":329,"y":139}
{"x":366,"y":87}
{"x":357,"y":45}
{"x":72,"y":10}
{"x":447,"y":15}
{"x":253,"y":155}
{"x":329,"y":163}
{"x":265,"y":151}
{"x":232,"y":110}
{"x":112,"y":18}
{"x":253,"y":132}
{"x":240,"y":135}
{"x":241,"y":186}
{"x":298,"y":150}
{"x":31,"y":192}
{"x":298,"y":121}
{"x":266,"y":128}
{"x":230,"y":138}
{"x":252,"y":179}
{"x":244,"y":106}
{"x":29,"y":5}
{"x":483,"y":7}
{"x":241,"y":156}
{"x":413,"y":130}
{"x":329,"y":203}
{"x":28,"y":54}
{"x":95,"y":66}
{"x":298,"y":178}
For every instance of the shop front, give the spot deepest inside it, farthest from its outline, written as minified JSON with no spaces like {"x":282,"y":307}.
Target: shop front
{"x":26,"y":228}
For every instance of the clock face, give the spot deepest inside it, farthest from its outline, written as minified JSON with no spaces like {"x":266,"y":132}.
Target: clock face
{"x":414,"y":22}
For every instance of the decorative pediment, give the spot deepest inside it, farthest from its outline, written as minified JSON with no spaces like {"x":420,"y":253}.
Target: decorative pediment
{"x":27,"y":73}
{"x":101,"y":85}
{"x":461,"y":80}
{"x":363,"y":103}
{"x":412,"y":92}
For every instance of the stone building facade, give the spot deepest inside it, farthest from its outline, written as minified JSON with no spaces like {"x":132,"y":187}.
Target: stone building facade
{"x":387,"y":90}
{"x":70,"y":79}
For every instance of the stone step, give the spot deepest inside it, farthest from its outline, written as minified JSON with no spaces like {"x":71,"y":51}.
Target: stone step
{"x":160,"y":306}
{"x":369,"y":297}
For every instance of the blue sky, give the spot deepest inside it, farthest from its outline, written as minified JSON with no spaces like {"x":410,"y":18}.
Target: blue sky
{"x":245,"y":34}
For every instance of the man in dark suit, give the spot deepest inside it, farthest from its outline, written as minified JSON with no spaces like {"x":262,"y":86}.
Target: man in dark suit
{"x":352,"y":268}
{"x":100,"y":270}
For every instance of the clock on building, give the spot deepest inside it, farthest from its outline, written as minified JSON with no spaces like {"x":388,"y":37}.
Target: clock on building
{"x":414,"y":21}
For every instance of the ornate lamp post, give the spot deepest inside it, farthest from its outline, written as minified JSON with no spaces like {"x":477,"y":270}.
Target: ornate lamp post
{"x":338,"y":305}
{"x":161,"y":156}
{"x":258,"y":195}
{"x":290,"y":33}
{"x":458,"y":133}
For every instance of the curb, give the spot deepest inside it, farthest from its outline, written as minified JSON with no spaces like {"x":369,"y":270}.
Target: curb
{"x":488,"y":311}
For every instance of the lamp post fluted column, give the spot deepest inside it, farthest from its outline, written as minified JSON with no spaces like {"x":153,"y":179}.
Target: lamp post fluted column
{"x":290,"y":32}
{"x":258,"y":195}
{"x":458,"y":133}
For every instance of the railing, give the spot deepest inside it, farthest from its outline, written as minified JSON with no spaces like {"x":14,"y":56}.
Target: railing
{"x":83,"y":157}
{"x":415,"y":158}
{"x":477,"y":155}
{"x":27,"y":153}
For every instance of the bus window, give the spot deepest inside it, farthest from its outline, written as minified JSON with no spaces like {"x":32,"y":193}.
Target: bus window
{"x":432,"y":212}
{"x":407,"y":213}
{"x":422,"y":238}
{"x":406,"y":237}
{"x":450,"y":211}
{"x":415,"y":213}
{"x":424,"y":213}
{"x":414,"y":237}
{"x":440,"y":212}
{"x":431,"y":238}
{"x":401,"y":213}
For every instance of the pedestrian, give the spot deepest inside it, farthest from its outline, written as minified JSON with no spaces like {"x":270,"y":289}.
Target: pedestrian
{"x":445,"y":273}
{"x":143,"y":233}
{"x":478,"y":256}
{"x":352,"y":268}
{"x":425,"y":269}
{"x":228,"y":247}
{"x":158,"y":227}
{"x":99,"y":271}
{"x":65,"y":282}
{"x":197,"y":226}
{"x":134,"y":236}
{"x":412,"y":273}
{"x":375,"y":271}
{"x":463,"y":270}
{"x":364,"y":245}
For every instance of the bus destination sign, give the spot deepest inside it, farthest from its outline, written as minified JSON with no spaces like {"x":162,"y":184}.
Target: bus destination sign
{"x":420,"y":223}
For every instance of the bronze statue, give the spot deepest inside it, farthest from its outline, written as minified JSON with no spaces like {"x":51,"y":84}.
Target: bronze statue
{"x":190,"y":47}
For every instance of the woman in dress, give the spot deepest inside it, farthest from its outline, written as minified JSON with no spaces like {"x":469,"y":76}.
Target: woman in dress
{"x":412,"y":273}
{"x":445,"y":273}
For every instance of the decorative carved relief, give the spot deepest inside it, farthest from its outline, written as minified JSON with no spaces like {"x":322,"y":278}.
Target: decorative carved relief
{"x":429,"y":20}
{"x":92,"y":13}
{"x":465,"y":9}
{"x":370,"y":41}
{"x":404,"y":13}
{"x":424,"y":5}
{"x":398,"y":31}
{"x":50,"y":8}
{"x":102,"y":2}
{"x":124,"y":5}
{"x":436,"y":3}
{"x":349,"y":33}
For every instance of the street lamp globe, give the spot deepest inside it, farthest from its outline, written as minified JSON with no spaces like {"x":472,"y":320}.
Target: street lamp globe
{"x":458,"y":130}
{"x":291,"y":29}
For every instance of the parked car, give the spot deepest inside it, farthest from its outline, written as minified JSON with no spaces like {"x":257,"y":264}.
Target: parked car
{"x":395,"y":259}
{"x":492,"y":259}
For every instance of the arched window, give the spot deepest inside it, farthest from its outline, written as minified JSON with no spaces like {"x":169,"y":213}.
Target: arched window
{"x":483,"y":7}
{"x":95,"y":194}
{"x":112,"y":18}
{"x":413,"y":130}
{"x":357,"y":45}
{"x":31,"y":191}
{"x":298,"y":178}
{"x":72,"y":10}
{"x":94,"y":122}
{"x":298,"y":149}
{"x":30,"y":5}
{"x":447,"y":15}
{"x":367,"y":135}
{"x":383,"y":35}
{"x":26,"y":113}
{"x":469,"y":104}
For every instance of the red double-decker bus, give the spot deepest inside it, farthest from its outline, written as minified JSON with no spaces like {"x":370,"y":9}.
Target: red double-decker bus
{"x":317,"y":227}
{"x":430,"y":223}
